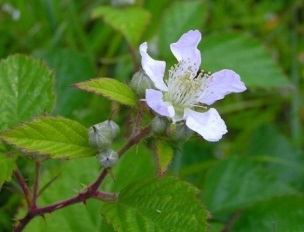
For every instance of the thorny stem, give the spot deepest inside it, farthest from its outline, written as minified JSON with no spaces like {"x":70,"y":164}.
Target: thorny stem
{"x":24,"y":186}
{"x":90,"y":192}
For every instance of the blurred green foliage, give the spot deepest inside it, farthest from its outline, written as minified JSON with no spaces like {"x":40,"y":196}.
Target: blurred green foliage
{"x":251,"y":175}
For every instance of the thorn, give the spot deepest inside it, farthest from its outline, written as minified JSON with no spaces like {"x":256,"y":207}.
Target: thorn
{"x":111,"y":173}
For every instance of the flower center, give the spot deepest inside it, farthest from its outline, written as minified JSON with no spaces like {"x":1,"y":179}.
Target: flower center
{"x":184,"y":86}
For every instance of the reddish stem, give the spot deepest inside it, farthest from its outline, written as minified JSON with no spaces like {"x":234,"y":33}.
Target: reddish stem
{"x":36,"y":184}
{"x":91,"y":191}
{"x":24,"y":186}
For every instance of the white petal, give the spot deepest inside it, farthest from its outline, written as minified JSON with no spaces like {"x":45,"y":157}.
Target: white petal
{"x":185,"y":49}
{"x":155,"y":69}
{"x":219,"y":85}
{"x":154,"y":99}
{"x":209,"y":125}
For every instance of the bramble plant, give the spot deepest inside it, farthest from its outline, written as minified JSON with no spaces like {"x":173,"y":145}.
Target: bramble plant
{"x":185,"y":89}
{"x":101,"y":131}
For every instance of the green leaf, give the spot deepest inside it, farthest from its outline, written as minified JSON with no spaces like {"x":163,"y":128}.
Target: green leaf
{"x":157,"y":205}
{"x":54,"y":137}
{"x":244,"y":55}
{"x":164,"y":154}
{"x":278,"y":214}
{"x":232,"y":180}
{"x":70,"y":67}
{"x":269,"y":145}
{"x":131,"y":22}
{"x":110,"y":88}
{"x":26,"y":90}
{"x":179,"y":18}
{"x":7,"y":166}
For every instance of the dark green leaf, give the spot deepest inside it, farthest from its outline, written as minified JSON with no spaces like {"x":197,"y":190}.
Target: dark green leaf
{"x":279,"y":214}
{"x":157,"y":205}
{"x":236,"y":183}
{"x":244,"y":55}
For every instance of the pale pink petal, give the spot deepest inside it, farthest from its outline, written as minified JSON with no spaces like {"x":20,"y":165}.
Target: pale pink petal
{"x":219,"y":84}
{"x":154,"y":99}
{"x":209,"y":125}
{"x":185,"y":49}
{"x":155,"y":69}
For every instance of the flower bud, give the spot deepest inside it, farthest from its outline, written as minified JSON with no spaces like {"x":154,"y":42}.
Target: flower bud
{"x":180,"y":132}
{"x":101,"y":135}
{"x":108,"y":158}
{"x":159,"y":125}
{"x":140,"y":82}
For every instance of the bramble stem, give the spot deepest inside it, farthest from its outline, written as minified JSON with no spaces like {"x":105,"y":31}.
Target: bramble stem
{"x":90,"y":192}
{"x":24,"y":186}
{"x":36,"y":184}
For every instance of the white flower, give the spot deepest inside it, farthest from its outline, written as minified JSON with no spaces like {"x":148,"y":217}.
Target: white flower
{"x":186,"y":89}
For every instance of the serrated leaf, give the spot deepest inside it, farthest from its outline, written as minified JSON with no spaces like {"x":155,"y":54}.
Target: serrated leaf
{"x":7,"y":166}
{"x":232,"y":180}
{"x":157,"y":205}
{"x":110,"y":88}
{"x":279,"y":214}
{"x":179,"y":18}
{"x":244,"y":55}
{"x":164,"y":154}
{"x":131,"y":22}
{"x":54,"y":137}
{"x":26,"y":90}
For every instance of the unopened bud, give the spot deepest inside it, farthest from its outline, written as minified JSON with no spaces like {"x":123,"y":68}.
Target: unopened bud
{"x":140,"y":82}
{"x":159,"y":125}
{"x":101,"y":135}
{"x":108,"y":158}
{"x":180,"y":132}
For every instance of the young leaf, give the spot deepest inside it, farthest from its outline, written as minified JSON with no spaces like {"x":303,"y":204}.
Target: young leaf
{"x":157,"y":205}
{"x":131,"y":22}
{"x":279,"y":214}
{"x":232,"y":180}
{"x":7,"y":166}
{"x":26,"y":90}
{"x":164,"y":154}
{"x":244,"y":55}
{"x":110,"y":88}
{"x":54,"y":137}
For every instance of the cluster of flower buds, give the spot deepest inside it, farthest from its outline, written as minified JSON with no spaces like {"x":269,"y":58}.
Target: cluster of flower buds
{"x":177,"y":132}
{"x":101,"y":137}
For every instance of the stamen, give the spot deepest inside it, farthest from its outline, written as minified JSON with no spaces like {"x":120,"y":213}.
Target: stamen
{"x":184,"y":86}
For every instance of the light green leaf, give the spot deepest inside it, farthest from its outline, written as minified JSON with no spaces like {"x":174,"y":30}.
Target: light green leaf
{"x":230,"y":183}
{"x":110,"y":88}
{"x":156,"y":205}
{"x":244,"y":55}
{"x":53,"y":137}
{"x":179,"y":18}
{"x":131,"y":22}
{"x":164,"y":154}
{"x":7,"y":166}
{"x":26,"y":90}
{"x":279,"y":214}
